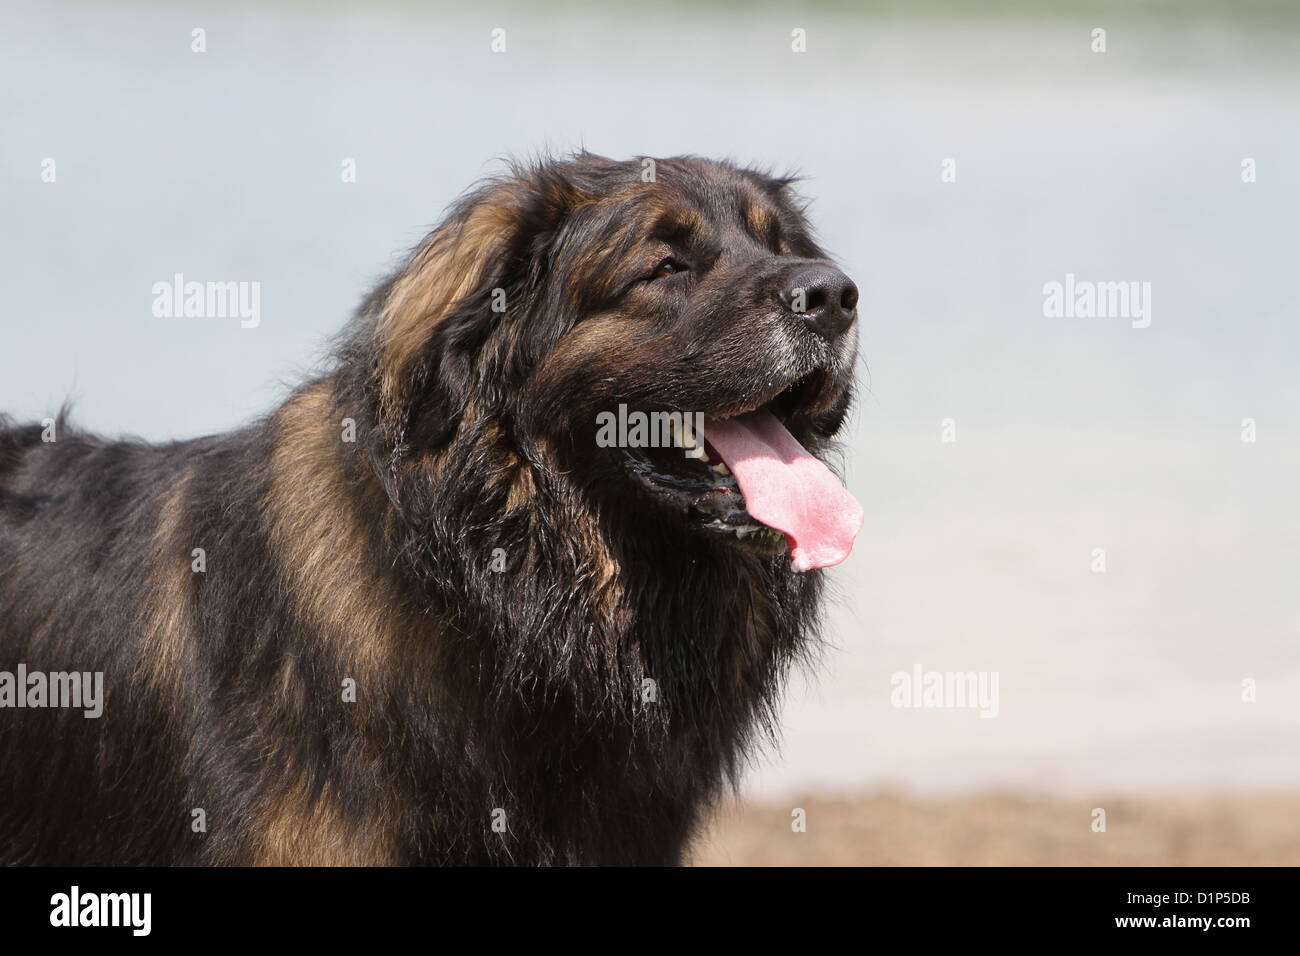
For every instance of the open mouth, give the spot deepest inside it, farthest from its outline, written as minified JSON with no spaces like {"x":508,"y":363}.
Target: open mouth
{"x":749,"y":477}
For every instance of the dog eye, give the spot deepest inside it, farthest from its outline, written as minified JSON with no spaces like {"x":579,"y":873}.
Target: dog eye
{"x":668,"y":267}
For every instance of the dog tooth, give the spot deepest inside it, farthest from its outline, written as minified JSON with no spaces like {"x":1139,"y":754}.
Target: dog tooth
{"x":721,"y":468}
{"x":693,"y":448}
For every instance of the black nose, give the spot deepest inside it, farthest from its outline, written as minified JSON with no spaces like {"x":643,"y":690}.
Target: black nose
{"x":822,"y":296}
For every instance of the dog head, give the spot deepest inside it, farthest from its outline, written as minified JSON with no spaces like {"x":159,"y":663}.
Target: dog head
{"x":572,"y":302}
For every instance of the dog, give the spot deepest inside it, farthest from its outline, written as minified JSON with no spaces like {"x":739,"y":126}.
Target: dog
{"x":418,"y":614}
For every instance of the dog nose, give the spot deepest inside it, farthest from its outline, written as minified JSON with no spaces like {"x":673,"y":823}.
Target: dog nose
{"x":822,"y":296}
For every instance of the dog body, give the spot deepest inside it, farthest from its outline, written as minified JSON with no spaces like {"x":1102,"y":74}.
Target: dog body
{"x":417,"y":614}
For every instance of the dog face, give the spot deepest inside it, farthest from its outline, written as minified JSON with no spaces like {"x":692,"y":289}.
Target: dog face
{"x":572,"y":292}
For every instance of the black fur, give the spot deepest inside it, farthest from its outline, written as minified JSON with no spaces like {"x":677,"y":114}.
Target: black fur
{"x":478,"y":690}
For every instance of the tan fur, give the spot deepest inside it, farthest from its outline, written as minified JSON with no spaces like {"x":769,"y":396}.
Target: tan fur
{"x":165,"y":632}
{"x":301,"y":832}
{"x":320,"y":543}
{"x":760,"y":221}
{"x":324,"y":556}
{"x":445,"y":269}
{"x":521,"y":489}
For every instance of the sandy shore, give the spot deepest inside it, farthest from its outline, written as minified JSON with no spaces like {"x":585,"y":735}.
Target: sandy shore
{"x":1006,"y":830}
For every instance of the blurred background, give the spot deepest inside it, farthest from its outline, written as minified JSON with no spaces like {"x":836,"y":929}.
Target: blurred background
{"x":958,"y":157}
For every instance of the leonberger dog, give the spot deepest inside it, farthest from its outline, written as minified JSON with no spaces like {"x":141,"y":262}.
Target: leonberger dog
{"x":419,"y":614}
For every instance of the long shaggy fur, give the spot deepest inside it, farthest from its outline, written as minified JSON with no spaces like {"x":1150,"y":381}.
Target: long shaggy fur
{"x":492,"y":582}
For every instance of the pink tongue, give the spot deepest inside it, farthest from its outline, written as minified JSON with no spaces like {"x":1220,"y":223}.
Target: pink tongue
{"x":788,"y":489}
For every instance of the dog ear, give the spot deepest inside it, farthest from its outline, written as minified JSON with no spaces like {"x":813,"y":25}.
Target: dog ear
{"x":449,"y":308}
{"x":431,"y":319}
{"x":432,"y":298}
